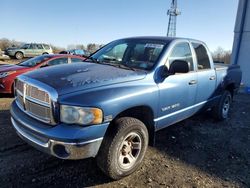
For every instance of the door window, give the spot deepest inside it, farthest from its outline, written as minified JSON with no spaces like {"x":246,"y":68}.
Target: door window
{"x":203,"y":61}
{"x":32,"y":46}
{"x":76,"y":60}
{"x":39,"y":46}
{"x":58,"y":61}
{"x":183,"y":52}
{"x":47,"y":47}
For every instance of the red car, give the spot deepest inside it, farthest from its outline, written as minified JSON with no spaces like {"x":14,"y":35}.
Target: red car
{"x":8,"y":73}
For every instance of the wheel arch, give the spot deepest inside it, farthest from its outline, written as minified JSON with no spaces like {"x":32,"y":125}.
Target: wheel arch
{"x":231,"y":87}
{"x":143,"y":113}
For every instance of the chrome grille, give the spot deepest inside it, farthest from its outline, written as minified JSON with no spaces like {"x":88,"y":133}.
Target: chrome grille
{"x":37,"y":110}
{"x":35,"y":93}
{"x":19,"y":99}
{"x":19,"y":86}
{"x":34,"y":101}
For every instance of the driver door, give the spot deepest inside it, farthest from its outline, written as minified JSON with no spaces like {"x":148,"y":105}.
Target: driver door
{"x":177,"y":92}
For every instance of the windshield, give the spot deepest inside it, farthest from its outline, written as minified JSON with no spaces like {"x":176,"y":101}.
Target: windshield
{"x":134,"y":53}
{"x":34,"y":61}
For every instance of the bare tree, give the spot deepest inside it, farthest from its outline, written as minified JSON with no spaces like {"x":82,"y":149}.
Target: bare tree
{"x":222,"y":55}
{"x":56,"y":49}
{"x":6,"y":43}
{"x":92,"y":47}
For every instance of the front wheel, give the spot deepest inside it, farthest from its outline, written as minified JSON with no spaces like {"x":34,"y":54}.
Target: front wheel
{"x":123,"y":149}
{"x":221,"y":110}
{"x":19,"y":55}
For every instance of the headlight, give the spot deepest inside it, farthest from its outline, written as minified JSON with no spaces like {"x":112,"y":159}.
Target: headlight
{"x":80,"y":115}
{"x":4,"y":74}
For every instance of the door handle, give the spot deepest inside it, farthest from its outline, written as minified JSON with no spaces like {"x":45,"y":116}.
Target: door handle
{"x":212,"y":78}
{"x":192,"y":82}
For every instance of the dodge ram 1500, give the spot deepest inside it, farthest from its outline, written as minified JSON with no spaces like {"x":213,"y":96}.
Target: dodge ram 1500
{"x":111,"y":106}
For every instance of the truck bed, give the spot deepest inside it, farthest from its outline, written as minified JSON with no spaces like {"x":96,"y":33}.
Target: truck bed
{"x":219,"y":66}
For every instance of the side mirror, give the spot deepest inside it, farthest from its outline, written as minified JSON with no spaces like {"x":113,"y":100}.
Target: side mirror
{"x":178,"y":66}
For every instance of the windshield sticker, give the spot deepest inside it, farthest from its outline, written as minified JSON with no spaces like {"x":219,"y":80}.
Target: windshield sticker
{"x":148,"y":45}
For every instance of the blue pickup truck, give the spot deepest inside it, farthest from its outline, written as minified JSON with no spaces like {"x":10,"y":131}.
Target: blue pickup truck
{"x":111,"y":106}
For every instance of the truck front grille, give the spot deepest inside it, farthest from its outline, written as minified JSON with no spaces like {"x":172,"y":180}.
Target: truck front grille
{"x":34,"y":101}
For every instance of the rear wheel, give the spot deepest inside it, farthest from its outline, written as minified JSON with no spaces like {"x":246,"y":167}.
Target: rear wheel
{"x":221,"y":110}
{"x":45,"y":53}
{"x":123,"y":149}
{"x":19,"y":55}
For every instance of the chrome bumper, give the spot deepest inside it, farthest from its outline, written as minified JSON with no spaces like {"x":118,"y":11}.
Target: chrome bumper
{"x":63,"y":150}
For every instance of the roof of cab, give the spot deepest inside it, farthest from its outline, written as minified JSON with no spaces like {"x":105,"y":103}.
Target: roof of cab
{"x":162,"y":38}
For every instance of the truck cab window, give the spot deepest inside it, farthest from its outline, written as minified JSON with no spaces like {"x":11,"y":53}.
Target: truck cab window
{"x":183,"y":52}
{"x":203,"y":61}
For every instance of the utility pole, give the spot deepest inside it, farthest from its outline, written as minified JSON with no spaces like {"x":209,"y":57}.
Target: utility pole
{"x":173,"y":12}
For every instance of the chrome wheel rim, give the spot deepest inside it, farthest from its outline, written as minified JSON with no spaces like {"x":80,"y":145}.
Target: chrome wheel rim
{"x":226,"y":106}
{"x":19,"y":55}
{"x":129,"y":150}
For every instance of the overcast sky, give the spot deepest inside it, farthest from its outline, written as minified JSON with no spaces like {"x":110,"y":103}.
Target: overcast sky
{"x":64,"y":22}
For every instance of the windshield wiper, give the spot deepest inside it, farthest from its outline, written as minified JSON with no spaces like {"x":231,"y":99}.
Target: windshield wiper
{"x":118,"y":65}
{"x":126,"y":67}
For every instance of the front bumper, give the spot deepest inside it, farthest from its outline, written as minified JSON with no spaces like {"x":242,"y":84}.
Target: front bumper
{"x":62,"y":141}
{"x":10,"y":52}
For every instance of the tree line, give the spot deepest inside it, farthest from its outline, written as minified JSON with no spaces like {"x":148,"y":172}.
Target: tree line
{"x":221,"y":55}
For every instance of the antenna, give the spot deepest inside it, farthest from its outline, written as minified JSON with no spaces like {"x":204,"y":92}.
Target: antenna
{"x":173,"y":12}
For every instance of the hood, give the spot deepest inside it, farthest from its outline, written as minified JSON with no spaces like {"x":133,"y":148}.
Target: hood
{"x":8,"y":67}
{"x":74,"y":77}
{"x":12,"y":48}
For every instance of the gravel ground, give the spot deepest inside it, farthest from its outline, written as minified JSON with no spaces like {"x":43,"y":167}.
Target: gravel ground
{"x":197,"y":152}
{"x":11,"y":61}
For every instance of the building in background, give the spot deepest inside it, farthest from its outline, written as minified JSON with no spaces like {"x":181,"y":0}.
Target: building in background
{"x":241,"y":47}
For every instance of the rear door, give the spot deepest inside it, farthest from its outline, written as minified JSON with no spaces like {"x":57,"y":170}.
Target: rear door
{"x":205,"y":73}
{"x":177,"y":92}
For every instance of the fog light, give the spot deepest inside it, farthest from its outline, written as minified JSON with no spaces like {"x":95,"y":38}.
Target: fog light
{"x":60,"y":151}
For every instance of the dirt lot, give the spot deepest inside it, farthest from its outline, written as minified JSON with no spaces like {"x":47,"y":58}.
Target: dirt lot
{"x":10,"y":61}
{"x":198,"y":152}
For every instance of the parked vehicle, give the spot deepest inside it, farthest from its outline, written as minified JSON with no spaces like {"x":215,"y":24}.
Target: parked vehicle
{"x":29,"y":50}
{"x":79,"y":52}
{"x":111,"y":107}
{"x":3,"y":56}
{"x":9,"y":72}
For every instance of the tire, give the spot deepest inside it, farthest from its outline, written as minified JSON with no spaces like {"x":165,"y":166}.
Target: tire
{"x":12,"y":90}
{"x":19,"y":55}
{"x":117,"y":158}
{"x":45,"y":53}
{"x":221,"y":110}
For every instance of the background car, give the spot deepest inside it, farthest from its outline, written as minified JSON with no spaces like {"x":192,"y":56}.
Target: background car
{"x":79,"y":52}
{"x":29,"y":50}
{"x":8,"y":73}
